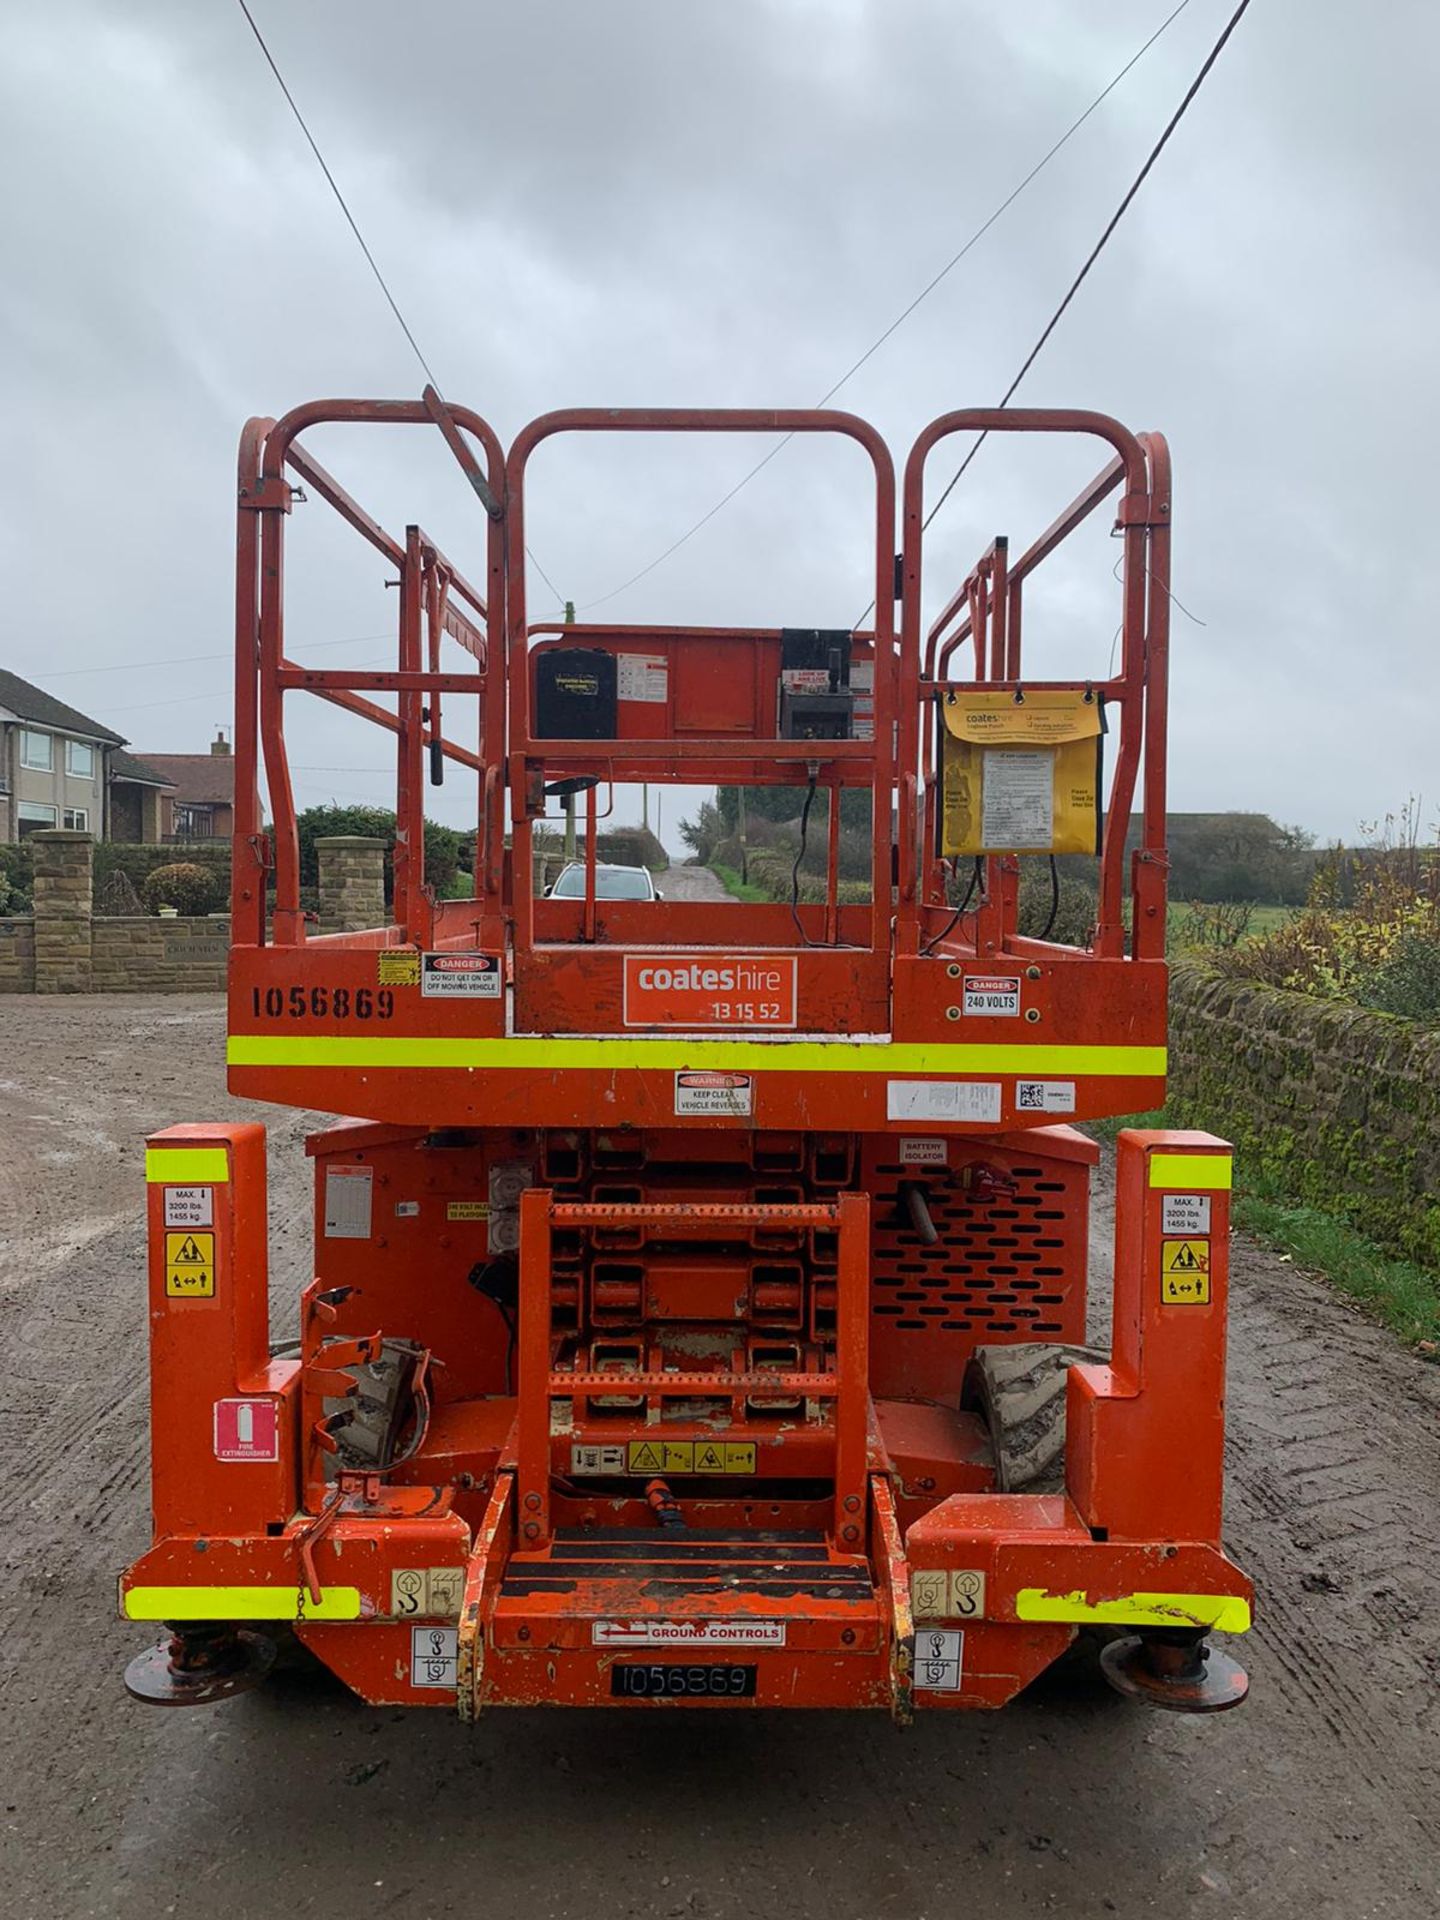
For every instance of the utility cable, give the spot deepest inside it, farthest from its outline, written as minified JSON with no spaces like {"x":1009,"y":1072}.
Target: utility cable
{"x":186,"y":659}
{"x":900,"y":319}
{"x":353,"y":225}
{"x":977,"y":879}
{"x":1094,"y":255}
{"x":805,"y":939}
{"x":1049,"y":926}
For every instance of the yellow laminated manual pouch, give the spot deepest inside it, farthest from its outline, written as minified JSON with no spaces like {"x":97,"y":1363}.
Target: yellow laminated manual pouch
{"x":1020,"y":772}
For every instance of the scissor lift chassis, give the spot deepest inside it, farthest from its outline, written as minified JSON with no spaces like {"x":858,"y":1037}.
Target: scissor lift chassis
{"x":689,"y":1411}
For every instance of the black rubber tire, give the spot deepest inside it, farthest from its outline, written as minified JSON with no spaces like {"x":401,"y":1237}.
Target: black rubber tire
{"x":1020,"y":1393}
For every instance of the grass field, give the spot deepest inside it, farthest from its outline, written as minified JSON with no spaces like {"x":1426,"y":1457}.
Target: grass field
{"x":1265,"y":919}
{"x":1206,"y":927}
{"x":732,"y":883}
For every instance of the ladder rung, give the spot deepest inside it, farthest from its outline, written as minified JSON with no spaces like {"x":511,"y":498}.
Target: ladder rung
{"x":816,"y":1386}
{"x":691,"y":1218}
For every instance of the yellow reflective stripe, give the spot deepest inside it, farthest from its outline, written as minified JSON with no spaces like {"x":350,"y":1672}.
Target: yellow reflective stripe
{"x":1197,"y":1172}
{"x":1224,"y":1611}
{"x":187,"y":1166}
{"x":240,"y":1603}
{"x":784,"y":1056}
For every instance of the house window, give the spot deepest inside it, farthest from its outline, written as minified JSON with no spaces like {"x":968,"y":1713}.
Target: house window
{"x":37,"y":750}
{"x":194,"y":823}
{"x":77,"y":819}
{"x":80,"y":759}
{"x":33,"y":816}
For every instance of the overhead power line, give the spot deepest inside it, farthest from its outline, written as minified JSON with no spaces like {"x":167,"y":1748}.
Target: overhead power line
{"x":1094,"y":254}
{"x":340,"y":200}
{"x":1096,"y":251}
{"x":905,"y":313}
{"x":353,"y":225}
{"x":186,"y":659}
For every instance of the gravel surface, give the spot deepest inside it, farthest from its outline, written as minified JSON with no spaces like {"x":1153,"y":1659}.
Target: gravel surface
{"x":691,"y":883}
{"x":1317,"y":1799}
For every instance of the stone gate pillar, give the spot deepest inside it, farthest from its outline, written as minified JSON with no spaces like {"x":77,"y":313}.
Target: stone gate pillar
{"x":352,"y":883}
{"x":63,"y":904}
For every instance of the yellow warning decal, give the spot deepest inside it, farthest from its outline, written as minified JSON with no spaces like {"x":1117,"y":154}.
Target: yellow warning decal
{"x":691,"y":1456}
{"x":1185,"y":1290}
{"x":1193,"y":1172}
{"x":1185,"y":1256}
{"x":1185,"y":1273}
{"x":186,"y":1166}
{"x":467,"y":1210}
{"x":1226,"y":1612}
{"x":239,"y":1603}
{"x":399,"y":968}
{"x":190,"y":1266}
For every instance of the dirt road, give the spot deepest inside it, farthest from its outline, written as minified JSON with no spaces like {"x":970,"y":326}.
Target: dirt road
{"x":1317,"y":1799}
{"x":691,"y":883}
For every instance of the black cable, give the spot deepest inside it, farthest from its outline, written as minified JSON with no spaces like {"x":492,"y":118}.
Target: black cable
{"x":1054,"y":897}
{"x":339,"y":196}
{"x":512,"y":1330}
{"x":360,"y":239}
{"x":977,"y":879}
{"x":795,"y":870}
{"x":1095,"y":252}
{"x":902,"y":317}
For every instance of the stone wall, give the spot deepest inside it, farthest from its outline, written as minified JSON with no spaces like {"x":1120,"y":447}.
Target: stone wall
{"x":1340,"y":1106}
{"x":17,"y":956}
{"x":147,"y":954}
{"x":67,"y":948}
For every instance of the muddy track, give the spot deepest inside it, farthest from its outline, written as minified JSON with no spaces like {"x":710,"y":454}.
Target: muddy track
{"x":1317,"y":1799}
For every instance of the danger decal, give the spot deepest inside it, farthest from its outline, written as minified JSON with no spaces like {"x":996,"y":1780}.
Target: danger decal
{"x":994,"y":995}
{"x":468,"y":976}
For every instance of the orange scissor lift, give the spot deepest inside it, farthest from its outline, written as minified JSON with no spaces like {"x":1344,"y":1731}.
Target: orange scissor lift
{"x":699,"y":1294}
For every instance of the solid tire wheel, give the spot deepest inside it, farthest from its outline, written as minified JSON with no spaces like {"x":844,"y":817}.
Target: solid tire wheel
{"x":1019,"y":1391}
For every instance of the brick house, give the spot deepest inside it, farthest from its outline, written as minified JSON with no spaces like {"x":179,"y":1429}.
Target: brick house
{"x":199,"y":798}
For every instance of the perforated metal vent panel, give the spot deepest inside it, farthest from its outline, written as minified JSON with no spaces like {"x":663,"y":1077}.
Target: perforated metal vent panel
{"x":1009,"y":1265}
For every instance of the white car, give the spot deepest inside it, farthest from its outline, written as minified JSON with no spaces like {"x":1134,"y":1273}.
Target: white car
{"x":611,"y":883}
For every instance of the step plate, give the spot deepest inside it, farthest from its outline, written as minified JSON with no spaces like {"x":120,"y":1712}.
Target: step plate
{"x":807,"y":1620}
{"x":650,"y":1572}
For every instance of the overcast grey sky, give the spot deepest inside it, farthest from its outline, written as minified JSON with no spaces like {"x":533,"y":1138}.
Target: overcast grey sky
{"x":648,"y":203}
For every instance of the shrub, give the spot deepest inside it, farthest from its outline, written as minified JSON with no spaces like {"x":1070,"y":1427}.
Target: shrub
{"x":1075,"y":909}
{"x":17,"y":878}
{"x":188,"y":888}
{"x":1214,"y":925}
{"x":447,"y":849}
{"x":1407,"y":981}
{"x":1380,"y":950}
